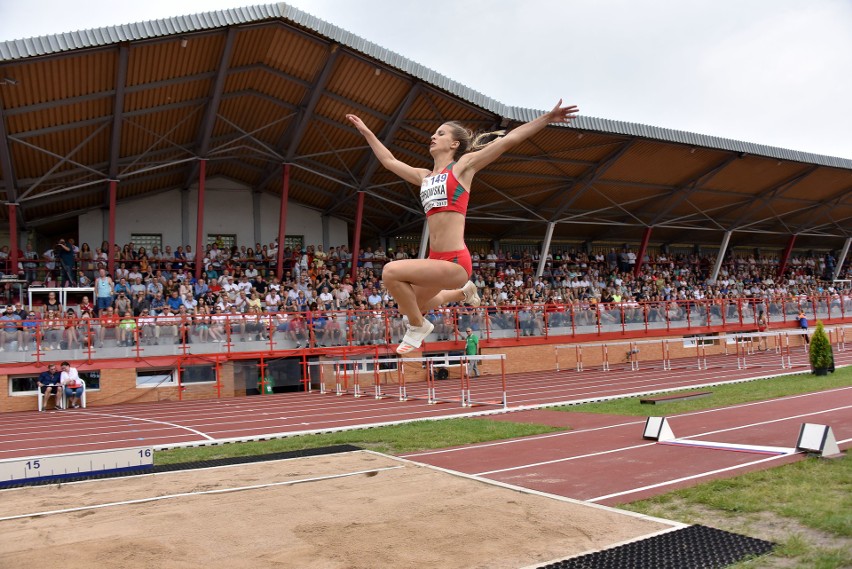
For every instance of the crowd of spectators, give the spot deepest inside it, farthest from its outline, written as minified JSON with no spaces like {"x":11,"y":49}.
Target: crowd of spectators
{"x":153,"y":297}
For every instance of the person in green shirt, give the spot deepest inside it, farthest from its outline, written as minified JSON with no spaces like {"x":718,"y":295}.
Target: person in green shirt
{"x":126,"y":329}
{"x":472,"y":349}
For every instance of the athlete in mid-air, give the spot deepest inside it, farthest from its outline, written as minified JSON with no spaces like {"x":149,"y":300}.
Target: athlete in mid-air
{"x":419,"y":285}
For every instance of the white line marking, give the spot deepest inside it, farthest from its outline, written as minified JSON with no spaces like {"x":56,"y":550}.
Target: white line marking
{"x":682,"y":440}
{"x":130,"y":417}
{"x":769,"y":422}
{"x":201,"y":492}
{"x":533,"y":492}
{"x":525,"y":439}
{"x":736,"y":447}
{"x":564,"y":459}
{"x":685,"y":478}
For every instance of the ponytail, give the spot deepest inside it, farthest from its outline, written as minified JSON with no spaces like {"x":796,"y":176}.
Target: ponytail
{"x":470,"y":141}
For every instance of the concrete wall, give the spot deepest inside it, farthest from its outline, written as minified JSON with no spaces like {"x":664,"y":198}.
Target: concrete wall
{"x":228,"y":209}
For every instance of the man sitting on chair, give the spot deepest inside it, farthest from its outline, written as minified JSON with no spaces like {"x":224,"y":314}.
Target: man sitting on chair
{"x":49,"y":384}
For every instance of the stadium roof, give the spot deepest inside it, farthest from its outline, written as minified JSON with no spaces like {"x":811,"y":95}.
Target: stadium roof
{"x":252,"y":88}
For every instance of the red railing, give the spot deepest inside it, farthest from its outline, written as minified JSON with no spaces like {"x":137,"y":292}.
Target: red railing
{"x":143,"y":336}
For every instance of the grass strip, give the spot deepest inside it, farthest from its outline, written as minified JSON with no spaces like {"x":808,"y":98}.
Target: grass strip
{"x":806,"y":507}
{"x":723,"y":395}
{"x":395,"y":439}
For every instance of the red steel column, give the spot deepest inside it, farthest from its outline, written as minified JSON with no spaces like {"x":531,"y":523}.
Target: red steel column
{"x":356,"y":242}
{"x":199,"y":223}
{"x":782,"y":263}
{"x":113,"y":191}
{"x":13,"y":240}
{"x":282,"y":220}
{"x":642,"y":248}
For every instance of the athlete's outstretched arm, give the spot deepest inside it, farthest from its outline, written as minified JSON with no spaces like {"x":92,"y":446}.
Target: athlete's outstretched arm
{"x":482,"y":158}
{"x":385,"y":157}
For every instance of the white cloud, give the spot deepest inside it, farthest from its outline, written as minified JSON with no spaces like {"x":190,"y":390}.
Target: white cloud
{"x":775,"y":72}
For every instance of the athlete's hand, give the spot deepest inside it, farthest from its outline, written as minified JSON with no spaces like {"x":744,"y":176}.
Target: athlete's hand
{"x":561,"y":114}
{"x":359,"y":124}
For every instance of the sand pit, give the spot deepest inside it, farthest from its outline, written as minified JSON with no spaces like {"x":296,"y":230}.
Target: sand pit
{"x":350,"y":510}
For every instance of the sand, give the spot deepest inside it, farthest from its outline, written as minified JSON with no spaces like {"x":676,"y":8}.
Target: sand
{"x":389,"y":513}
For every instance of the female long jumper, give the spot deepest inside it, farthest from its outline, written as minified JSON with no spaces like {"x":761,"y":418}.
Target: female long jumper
{"x":419,"y":285}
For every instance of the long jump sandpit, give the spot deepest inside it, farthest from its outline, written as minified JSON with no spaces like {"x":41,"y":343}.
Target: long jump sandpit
{"x":349,"y":510}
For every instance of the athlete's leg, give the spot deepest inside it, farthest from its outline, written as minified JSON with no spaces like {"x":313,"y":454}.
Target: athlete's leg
{"x":418,"y":284}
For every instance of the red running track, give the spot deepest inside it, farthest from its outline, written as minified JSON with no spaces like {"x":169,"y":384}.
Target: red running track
{"x":590,"y":462}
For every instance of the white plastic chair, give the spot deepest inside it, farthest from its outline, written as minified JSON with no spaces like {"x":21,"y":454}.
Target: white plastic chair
{"x":82,"y":397}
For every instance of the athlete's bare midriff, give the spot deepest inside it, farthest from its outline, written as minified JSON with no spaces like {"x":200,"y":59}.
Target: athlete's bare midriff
{"x":446,"y":231}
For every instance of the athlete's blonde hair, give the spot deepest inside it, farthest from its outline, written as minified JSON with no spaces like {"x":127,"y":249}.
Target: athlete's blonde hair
{"x":470,"y":141}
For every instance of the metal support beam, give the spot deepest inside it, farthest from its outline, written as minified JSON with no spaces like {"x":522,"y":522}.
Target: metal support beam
{"x":723,"y":248}
{"x":386,"y":137}
{"x":545,"y":247}
{"x":686,"y":190}
{"x":838,"y":270}
{"x":200,"y":249}
{"x":113,"y":191}
{"x":9,"y":181}
{"x":209,"y":120}
{"x":184,"y":216}
{"x":356,"y":240}
{"x":782,"y":263}
{"x":282,"y":219}
{"x":255,"y":213}
{"x":424,"y":240}
{"x":326,"y":232}
{"x":296,"y":130}
{"x":577,"y":190}
{"x":13,"y":241}
{"x":642,"y":249}
{"x":118,"y":110}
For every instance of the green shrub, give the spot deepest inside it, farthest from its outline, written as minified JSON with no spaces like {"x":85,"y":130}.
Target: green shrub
{"x":820,"y":352}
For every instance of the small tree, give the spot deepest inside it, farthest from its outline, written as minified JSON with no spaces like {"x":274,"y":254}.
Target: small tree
{"x":820,"y":352}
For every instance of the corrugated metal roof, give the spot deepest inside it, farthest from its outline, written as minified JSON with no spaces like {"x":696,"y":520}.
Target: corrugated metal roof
{"x":45,"y":45}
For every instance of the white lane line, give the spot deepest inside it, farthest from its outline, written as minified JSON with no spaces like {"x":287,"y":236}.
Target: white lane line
{"x":581,"y":431}
{"x":533,"y":465}
{"x":200,"y":492}
{"x":130,"y":417}
{"x":685,"y":478}
{"x":523,"y":439}
{"x":684,"y":441}
{"x":768,"y":422}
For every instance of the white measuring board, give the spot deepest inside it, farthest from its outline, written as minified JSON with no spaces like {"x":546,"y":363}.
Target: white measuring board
{"x":58,"y":466}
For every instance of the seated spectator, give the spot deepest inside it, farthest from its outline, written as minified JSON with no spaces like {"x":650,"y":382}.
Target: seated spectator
{"x":52,"y":327}
{"x":167,"y":324}
{"x":50,"y":384}
{"x":149,"y":332}
{"x":127,"y":330}
{"x":71,"y":339}
{"x":174,"y":301}
{"x":30,"y":330}
{"x":10,"y":328}
{"x":108,"y":324}
{"x":296,"y":330}
{"x":73,"y":385}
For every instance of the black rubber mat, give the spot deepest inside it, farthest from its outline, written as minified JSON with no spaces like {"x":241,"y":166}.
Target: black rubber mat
{"x":693,"y":547}
{"x":185,"y":466}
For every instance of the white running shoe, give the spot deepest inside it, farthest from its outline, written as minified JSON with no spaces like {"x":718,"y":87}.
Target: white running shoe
{"x":471,"y":296}
{"x":414,"y":336}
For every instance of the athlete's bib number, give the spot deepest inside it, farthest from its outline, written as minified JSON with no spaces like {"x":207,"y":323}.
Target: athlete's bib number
{"x":433,"y":191}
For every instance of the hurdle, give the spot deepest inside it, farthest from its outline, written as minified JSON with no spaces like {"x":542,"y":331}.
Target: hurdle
{"x":667,"y":358}
{"x":349,"y":374}
{"x":465,"y":398}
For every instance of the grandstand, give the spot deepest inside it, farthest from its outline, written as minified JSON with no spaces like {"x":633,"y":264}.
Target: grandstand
{"x":209,"y":146}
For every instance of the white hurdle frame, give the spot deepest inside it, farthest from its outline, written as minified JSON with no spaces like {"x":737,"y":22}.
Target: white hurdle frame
{"x":744,"y":343}
{"x":465,"y":399}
